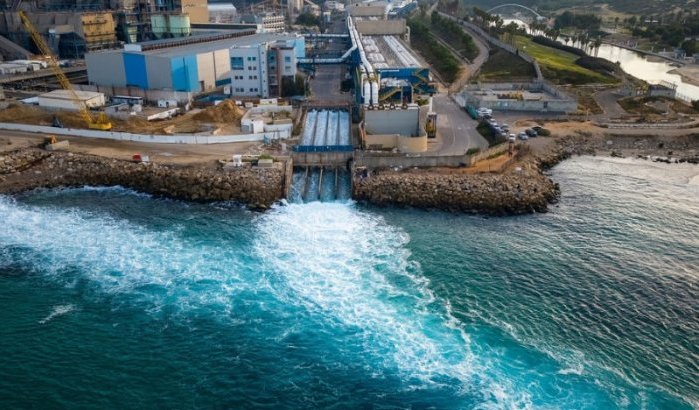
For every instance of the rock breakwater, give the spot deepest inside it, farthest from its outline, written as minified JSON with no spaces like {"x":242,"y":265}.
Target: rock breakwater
{"x":26,"y":169}
{"x":524,"y":189}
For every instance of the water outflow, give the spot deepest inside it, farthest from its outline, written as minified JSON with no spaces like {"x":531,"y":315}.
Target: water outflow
{"x":326,"y":128}
{"x":325,"y":184}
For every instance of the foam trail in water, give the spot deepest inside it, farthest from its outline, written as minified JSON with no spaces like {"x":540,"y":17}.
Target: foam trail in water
{"x":57,"y":311}
{"x":351,"y":266}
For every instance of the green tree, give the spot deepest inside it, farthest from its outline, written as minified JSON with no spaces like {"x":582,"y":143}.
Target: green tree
{"x":307,"y":19}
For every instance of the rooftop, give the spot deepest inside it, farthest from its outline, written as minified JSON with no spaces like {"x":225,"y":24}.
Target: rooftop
{"x":208,"y":46}
{"x":389,"y":52}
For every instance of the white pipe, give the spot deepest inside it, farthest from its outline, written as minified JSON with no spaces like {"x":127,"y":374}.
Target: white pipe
{"x":375,"y":91}
{"x":366,"y":93}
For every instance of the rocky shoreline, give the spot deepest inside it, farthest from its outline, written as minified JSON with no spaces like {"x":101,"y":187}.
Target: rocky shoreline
{"x":26,"y":169}
{"x":523,"y":188}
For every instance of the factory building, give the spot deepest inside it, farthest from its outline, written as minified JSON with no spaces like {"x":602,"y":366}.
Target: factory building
{"x":246,"y":64}
{"x":73,"y":28}
{"x":387,"y":70}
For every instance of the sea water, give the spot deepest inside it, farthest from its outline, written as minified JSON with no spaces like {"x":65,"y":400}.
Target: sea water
{"x":114,"y":299}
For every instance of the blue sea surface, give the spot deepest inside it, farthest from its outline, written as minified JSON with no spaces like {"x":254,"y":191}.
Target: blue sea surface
{"x":114,"y":299}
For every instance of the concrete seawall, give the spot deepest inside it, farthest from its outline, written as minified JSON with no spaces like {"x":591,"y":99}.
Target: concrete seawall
{"x":26,"y":169}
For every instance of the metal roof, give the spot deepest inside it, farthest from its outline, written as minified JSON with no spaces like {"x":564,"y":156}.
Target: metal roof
{"x":209,"y":46}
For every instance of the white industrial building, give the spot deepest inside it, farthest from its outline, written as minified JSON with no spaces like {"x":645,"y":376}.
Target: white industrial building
{"x":258,"y":70}
{"x":65,"y":100}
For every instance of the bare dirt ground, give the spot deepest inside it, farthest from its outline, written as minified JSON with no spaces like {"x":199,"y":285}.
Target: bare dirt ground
{"x":177,"y":154}
{"x":225,"y":117}
{"x":689,"y":73}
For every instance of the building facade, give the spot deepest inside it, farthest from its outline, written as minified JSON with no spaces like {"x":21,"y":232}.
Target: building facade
{"x":259,"y":70}
{"x":243,"y":63}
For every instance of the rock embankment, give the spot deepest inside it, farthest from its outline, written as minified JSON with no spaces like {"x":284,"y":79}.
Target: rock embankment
{"x":27,"y":169}
{"x":522,"y":190}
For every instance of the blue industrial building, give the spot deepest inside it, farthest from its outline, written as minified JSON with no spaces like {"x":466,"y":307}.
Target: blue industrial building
{"x":192,"y":64}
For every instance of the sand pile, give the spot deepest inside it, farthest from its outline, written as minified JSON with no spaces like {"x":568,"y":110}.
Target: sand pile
{"x":225,"y":112}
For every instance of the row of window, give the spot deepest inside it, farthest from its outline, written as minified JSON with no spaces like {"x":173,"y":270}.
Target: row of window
{"x":242,"y":90}
{"x":242,"y":77}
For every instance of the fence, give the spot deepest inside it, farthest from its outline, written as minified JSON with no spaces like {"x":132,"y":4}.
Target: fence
{"x":156,"y":139}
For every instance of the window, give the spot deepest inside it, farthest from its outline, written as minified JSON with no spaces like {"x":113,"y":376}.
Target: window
{"x":252,"y":58}
{"x":237,"y":63}
{"x":287,"y":59}
{"x":287,"y":67}
{"x":252,"y":90}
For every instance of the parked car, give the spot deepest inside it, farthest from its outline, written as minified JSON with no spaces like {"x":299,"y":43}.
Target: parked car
{"x":538,"y":129}
{"x":530,"y":132}
{"x":512,"y":138}
{"x":523,"y":136}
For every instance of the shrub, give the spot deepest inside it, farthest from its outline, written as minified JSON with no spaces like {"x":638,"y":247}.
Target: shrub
{"x":472,"y":151}
{"x":598,"y":65}
{"x":544,"y":41}
{"x":695,"y":104}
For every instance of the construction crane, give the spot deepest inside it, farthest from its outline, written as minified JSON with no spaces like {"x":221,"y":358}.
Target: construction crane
{"x":99,"y":123}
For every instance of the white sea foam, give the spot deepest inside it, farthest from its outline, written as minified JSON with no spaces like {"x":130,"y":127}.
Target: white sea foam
{"x":347,"y":267}
{"x":117,"y":256}
{"x":58,"y":310}
{"x":352,"y":267}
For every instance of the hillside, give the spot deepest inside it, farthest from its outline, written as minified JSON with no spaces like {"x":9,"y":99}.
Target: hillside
{"x":628,"y":6}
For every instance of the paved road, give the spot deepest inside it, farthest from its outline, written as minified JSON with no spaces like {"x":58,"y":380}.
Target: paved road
{"x":456,"y":131}
{"x":607,"y":100}
{"x":326,"y":84}
{"x":483,"y":50}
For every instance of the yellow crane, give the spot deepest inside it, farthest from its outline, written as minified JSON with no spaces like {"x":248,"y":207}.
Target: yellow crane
{"x":100,"y":122}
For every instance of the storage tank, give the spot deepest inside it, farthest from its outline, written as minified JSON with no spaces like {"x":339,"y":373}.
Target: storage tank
{"x":179,"y":25}
{"x":158,"y":24}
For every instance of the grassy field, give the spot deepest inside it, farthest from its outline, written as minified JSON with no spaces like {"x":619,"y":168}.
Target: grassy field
{"x":559,"y":66}
{"x":504,"y":66}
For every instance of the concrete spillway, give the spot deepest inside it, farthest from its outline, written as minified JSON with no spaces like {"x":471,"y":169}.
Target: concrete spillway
{"x":326,"y":133}
{"x":325,"y":184}
{"x":326,"y":128}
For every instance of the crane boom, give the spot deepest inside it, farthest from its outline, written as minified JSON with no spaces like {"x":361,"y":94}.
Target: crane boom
{"x":101,"y":123}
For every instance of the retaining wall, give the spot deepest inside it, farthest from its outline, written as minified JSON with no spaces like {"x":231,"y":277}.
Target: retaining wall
{"x":321,"y":158}
{"x":157,"y":139}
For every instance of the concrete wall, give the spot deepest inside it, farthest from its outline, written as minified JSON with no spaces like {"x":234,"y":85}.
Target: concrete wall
{"x":381,"y":27}
{"x":158,"y":71}
{"x":372,"y":160}
{"x":198,"y":10}
{"x":222,"y":64}
{"x":406,"y":145}
{"x":151,"y":96}
{"x":367,"y":11}
{"x":206,"y":70}
{"x":386,"y":160}
{"x":321,"y":158}
{"x":156,"y":139}
{"x":561,"y":102}
{"x":398,"y":121}
{"x":106,"y":68}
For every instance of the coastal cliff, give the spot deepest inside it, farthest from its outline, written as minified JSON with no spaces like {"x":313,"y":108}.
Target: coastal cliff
{"x":25,"y":169}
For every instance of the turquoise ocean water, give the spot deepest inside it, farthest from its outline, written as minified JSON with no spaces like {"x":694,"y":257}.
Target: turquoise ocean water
{"x":113,"y":299}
